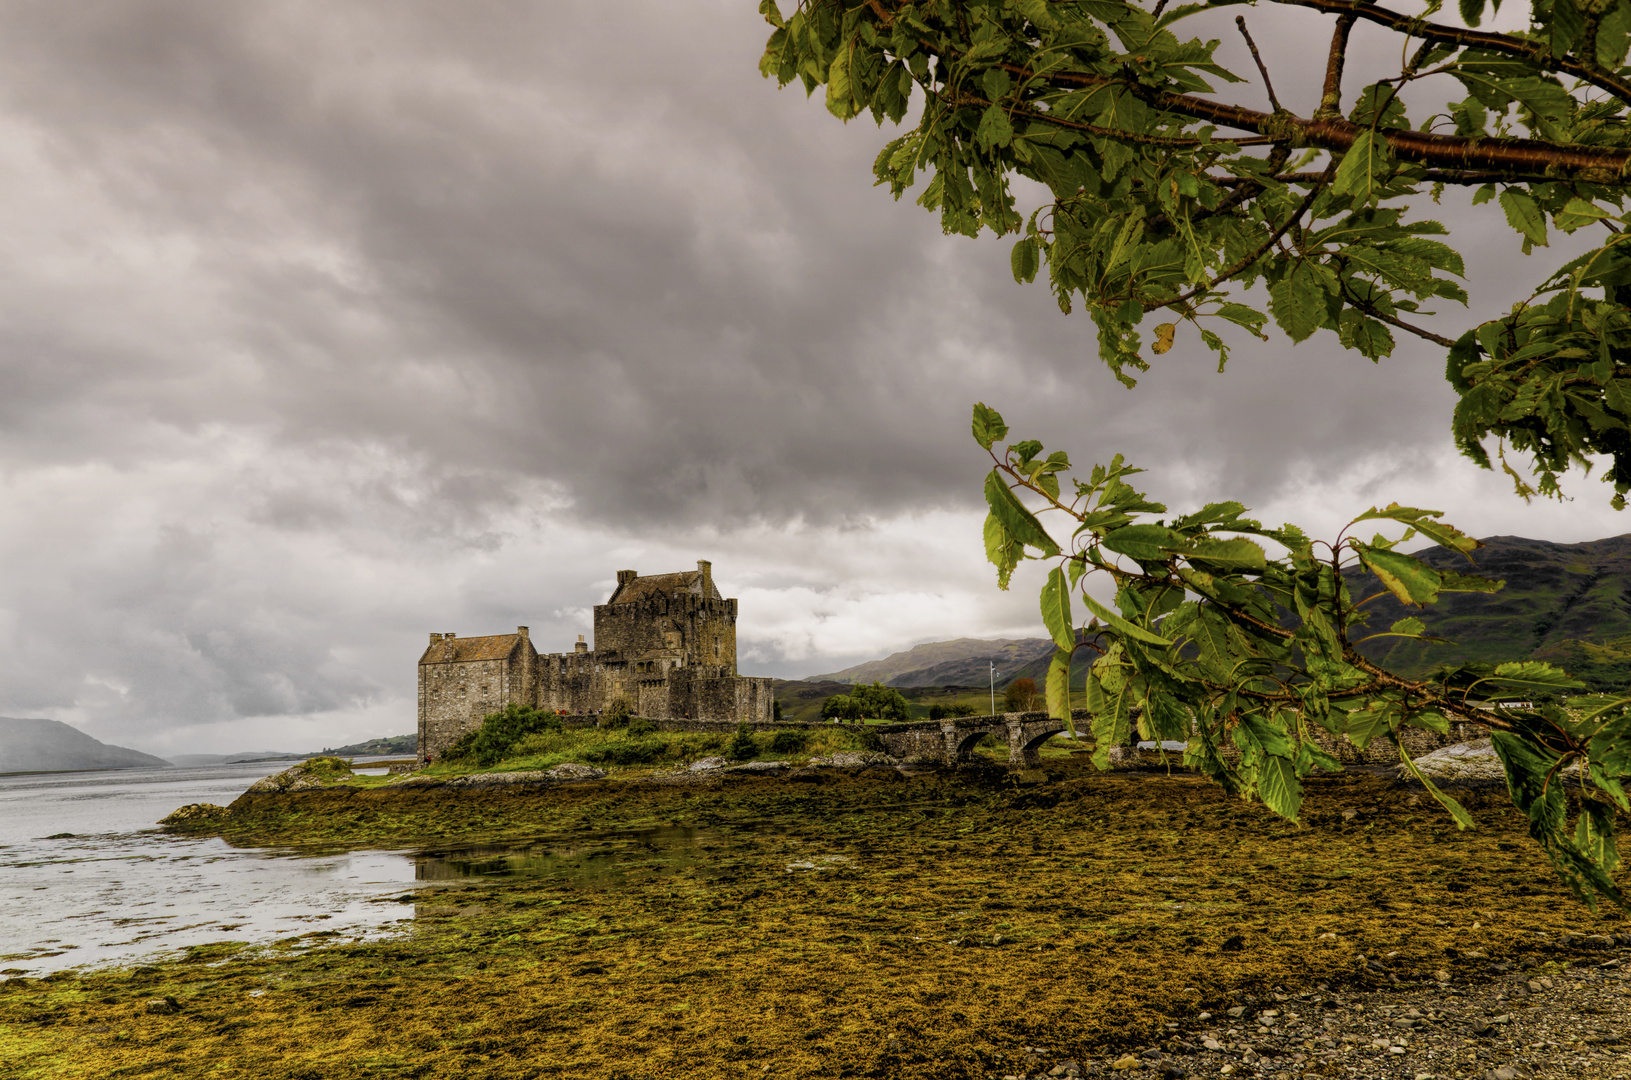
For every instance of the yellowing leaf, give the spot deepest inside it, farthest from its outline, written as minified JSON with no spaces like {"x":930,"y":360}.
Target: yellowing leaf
{"x":1163,"y":338}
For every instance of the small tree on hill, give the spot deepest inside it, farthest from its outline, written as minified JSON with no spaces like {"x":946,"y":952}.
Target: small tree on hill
{"x":1021,"y":696}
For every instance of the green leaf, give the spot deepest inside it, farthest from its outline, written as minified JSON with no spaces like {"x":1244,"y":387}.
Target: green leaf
{"x":995,"y":128}
{"x":1535,"y":673}
{"x":1410,"y":580}
{"x":1056,"y":610}
{"x":1376,"y":718}
{"x":1001,"y":549}
{"x":1365,"y":167}
{"x":1457,"y":811}
{"x":1279,"y":787}
{"x":1021,"y":524}
{"x":1301,"y":300}
{"x":1524,"y":215}
{"x":1025,"y":259}
{"x":1058,"y":689}
{"x":1147,"y":543}
{"x":840,"y":94}
{"x":1236,"y":554}
{"x":1037,"y":13}
{"x":1411,"y":627}
{"x":988,"y":426}
{"x":1116,"y":622}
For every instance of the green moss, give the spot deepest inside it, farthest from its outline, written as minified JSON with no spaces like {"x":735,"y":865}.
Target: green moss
{"x":803,"y":926}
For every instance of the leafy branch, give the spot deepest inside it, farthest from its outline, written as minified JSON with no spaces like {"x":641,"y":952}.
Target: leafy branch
{"x":1251,"y":659}
{"x":1167,"y":194}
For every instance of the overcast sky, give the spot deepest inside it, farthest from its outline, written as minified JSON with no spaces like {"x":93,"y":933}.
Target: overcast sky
{"x":327,"y":325}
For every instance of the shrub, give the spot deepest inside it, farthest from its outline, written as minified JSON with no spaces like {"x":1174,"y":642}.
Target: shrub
{"x":789,"y":741}
{"x":499,"y":732}
{"x":775,"y":710}
{"x":743,"y":747}
{"x":617,"y":713}
{"x":1021,"y":696}
{"x":631,"y":752}
{"x":325,"y":768}
{"x":869,"y":740}
{"x":640,"y":725}
{"x":942,"y":712}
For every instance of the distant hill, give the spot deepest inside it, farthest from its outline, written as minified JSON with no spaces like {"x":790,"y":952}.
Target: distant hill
{"x":963,"y":661}
{"x":52,"y":746}
{"x":391,"y":744}
{"x":1569,"y":604}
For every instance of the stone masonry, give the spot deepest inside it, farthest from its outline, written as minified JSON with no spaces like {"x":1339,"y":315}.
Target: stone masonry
{"x":666,"y":644}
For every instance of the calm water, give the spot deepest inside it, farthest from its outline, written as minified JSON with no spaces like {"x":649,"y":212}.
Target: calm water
{"x":115,"y":889}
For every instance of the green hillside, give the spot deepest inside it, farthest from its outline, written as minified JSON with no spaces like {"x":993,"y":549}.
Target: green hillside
{"x":941,"y":663}
{"x":1569,"y":604}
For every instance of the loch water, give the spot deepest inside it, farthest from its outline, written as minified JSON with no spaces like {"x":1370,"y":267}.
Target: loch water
{"x":87,"y":878}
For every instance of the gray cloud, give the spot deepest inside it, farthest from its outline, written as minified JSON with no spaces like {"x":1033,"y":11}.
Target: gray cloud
{"x":351,"y":319}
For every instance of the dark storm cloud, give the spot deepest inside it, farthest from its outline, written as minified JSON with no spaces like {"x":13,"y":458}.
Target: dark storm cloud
{"x":596,"y":247}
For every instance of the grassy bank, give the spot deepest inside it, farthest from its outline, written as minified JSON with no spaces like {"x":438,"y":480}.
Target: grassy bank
{"x":870,"y":925}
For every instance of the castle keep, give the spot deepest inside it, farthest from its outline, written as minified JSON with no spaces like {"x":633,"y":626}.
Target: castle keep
{"x":665,"y":644}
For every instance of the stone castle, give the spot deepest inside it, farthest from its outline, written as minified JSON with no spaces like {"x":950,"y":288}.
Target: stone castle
{"x":665,"y":644}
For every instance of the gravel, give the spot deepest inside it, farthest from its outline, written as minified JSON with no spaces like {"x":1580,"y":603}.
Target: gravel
{"x":1547,"y":1021}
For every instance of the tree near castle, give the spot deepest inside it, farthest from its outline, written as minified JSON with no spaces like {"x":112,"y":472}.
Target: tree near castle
{"x":1175,"y":203}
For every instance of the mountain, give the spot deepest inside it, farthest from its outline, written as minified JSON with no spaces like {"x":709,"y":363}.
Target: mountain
{"x":1569,"y":604}
{"x":962,"y":662}
{"x":52,"y":746}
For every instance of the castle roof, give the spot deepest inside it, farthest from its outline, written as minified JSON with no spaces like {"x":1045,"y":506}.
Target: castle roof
{"x":651,"y":586}
{"x":452,"y":650}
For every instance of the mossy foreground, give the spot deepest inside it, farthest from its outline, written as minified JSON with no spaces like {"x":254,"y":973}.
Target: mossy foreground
{"x":869,"y":925}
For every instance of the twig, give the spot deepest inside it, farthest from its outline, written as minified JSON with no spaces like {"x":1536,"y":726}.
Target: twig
{"x":1240,"y":21}
{"x":1247,"y":260}
{"x":1331,"y":93}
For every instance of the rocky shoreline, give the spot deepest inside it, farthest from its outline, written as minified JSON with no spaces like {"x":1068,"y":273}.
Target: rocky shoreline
{"x":1569,"y":1018}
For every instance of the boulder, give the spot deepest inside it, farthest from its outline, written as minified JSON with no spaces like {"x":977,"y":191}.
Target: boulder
{"x":708,"y":763}
{"x":1464,"y":761}
{"x":572,"y":770}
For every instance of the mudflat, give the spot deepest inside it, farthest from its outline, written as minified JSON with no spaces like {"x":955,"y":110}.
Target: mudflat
{"x":871,"y":922}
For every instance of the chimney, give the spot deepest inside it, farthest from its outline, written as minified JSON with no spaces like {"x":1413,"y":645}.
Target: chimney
{"x":435,"y":637}
{"x":626,"y":576}
{"x":580,"y":647}
{"x":526,"y":635}
{"x":706,"y":568}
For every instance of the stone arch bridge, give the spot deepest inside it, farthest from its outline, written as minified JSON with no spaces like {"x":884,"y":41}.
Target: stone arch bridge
{"x":953,"y":739}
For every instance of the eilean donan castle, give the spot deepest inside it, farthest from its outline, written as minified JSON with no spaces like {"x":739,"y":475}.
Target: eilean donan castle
{"x":665,"y":644}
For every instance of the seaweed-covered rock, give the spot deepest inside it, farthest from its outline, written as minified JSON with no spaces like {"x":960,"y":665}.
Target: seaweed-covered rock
{"x":193,"y":815}
{"x":308,"y":774}
{"x":852,"y":759}
{"x":572,"y":770}
{"x":501,"y":779}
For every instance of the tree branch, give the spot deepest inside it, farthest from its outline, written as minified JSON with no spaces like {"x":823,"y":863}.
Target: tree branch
{"x":1533,"y":51}
{"x":1247,"y":260}
{"x":1274,"y":102}
{"x":1331,"y":95}
{"x":1508,"y":158}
